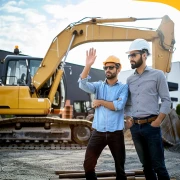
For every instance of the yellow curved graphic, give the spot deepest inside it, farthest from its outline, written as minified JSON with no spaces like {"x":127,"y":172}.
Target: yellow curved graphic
{"x":173,"y":3}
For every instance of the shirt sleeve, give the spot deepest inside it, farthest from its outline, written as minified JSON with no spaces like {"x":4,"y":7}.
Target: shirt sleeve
{"x":119,"y":104}
{"x":86,"y":86}
{"x":128,"y":105}
{"x":163,"y":91}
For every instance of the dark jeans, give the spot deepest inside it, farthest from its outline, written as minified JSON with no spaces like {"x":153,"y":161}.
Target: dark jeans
{"x":97,"y":142}
{"x":149,"y":147}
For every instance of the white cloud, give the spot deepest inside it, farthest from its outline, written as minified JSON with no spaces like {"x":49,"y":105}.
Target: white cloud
{"x":57,"y":11}
{"x":11,"y":7}
{"x":20,"y":3}
{"x":30,"y":15}
{"x":9,"y":3}
{"x":34,"y":18}
{"x":7,"y":22}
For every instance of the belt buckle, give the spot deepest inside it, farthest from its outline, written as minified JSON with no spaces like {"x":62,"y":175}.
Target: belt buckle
{"x":139,"y":121}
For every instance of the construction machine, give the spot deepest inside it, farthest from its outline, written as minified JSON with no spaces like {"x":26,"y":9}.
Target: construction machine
{"x":33,"y":102}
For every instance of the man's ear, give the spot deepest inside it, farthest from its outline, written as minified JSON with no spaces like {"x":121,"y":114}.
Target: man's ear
{"x":144,"y":56}
{"x":119,"y":69}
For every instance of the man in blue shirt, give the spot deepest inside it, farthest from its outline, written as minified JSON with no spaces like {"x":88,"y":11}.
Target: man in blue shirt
{"x":108,"y":124}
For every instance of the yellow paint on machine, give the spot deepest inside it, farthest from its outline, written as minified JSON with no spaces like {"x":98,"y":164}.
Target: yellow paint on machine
{"x":17,"y":100}
{"x":173,"y":3}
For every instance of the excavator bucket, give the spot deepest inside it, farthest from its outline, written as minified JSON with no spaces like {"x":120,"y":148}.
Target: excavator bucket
{"x":171,"y":128}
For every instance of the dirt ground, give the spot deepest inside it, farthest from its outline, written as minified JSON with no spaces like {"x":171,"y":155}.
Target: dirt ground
{"x":42,"y":164}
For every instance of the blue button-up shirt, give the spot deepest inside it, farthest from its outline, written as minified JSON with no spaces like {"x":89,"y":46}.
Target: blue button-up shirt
{"x":104,"y":118}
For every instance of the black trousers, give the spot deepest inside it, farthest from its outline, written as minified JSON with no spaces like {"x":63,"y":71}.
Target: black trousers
{"x":97,"y":142}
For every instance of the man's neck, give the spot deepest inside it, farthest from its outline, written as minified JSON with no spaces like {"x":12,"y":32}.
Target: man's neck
{"x":111,"y":81}
{"x":141,"y":69}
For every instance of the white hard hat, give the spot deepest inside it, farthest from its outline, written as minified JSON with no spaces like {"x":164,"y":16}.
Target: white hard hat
{"x":139,"y":44}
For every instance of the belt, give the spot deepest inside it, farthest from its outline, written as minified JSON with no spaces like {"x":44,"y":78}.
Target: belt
{"x":145,"y":120}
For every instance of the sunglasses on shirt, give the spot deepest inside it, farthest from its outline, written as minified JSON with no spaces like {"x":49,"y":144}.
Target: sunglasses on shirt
{"x":110,"y":67}
{"x":133,"y":55}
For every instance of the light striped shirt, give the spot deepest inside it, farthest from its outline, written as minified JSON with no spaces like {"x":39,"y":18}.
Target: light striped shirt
{"x":144,"y":92}
{"x":104,"y":118}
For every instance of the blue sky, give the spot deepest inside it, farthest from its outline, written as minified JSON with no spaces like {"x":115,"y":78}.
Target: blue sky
{"x":32,"y":24}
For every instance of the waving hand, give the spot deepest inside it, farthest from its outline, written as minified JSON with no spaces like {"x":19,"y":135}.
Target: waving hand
{"x":90,"y":56}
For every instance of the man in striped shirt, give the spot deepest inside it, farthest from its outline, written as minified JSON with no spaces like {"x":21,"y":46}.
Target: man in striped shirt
{"x":146,"y":86}
{"x":110,"y":99}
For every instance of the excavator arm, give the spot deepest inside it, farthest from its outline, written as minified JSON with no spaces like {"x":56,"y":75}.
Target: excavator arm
{"x":96,"y":30}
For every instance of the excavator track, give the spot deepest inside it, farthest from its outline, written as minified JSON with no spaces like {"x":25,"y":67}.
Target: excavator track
{"x":35,"y":146}
{"x":44,"y":133}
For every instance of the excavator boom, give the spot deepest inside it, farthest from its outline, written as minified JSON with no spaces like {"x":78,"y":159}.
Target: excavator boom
{"x":96,"y":30}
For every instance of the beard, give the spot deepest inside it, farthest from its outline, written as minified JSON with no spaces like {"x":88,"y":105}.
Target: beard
{"x":137,"y":64}
{"x":110,"y":75}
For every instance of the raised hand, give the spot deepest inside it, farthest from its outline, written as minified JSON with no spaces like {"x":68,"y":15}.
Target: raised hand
{"x":90,"y":56}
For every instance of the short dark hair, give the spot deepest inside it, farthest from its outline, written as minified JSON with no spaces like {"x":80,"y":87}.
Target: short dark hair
{"x":117,"y":65}
{"x":145,"y":51}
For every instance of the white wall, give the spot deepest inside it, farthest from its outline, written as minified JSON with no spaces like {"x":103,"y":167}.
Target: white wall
{"x":173,"y":76}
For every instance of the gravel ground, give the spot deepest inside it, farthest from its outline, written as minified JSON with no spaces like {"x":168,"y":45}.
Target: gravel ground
{"x":42,"y":164}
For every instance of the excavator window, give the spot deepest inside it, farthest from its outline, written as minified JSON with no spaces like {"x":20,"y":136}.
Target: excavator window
{"x":82,"y":108}
{"x":63,"y":93}
{"x":34,"y":65}
{"x":17,"y":71}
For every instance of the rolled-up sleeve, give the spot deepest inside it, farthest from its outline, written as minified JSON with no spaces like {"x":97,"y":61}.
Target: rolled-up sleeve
{"x":86,"y":86}
{"x":119,"y":104}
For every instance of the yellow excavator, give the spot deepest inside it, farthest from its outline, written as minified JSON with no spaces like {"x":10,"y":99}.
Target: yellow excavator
{"x":32,"y":90}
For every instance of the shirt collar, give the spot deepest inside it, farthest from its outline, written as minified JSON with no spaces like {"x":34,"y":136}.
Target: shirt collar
{"x":117,"y":82}
{"x":146,"y":69}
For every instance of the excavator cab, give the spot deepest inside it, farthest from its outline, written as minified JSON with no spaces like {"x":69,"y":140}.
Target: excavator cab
{"x":81,"y":109}
{"x":15,"y":71}
{"x":18,"y":71}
